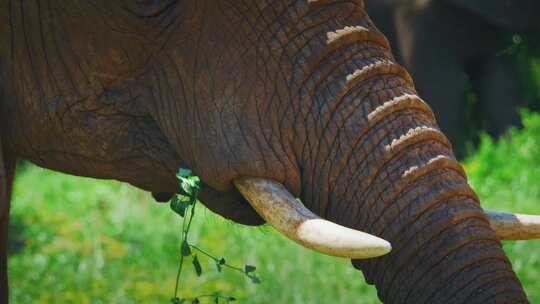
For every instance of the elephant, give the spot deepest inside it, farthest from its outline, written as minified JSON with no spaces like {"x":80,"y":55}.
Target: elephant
{"x":265,"y":101}
{"x":470,"y":43}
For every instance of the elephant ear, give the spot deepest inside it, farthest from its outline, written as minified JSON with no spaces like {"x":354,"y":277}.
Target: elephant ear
{"x":7,"y":169}
{"x":511,"y":15}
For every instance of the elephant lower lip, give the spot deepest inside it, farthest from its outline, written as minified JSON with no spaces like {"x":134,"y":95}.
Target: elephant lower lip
{"x":247,"y":216}
{"x":162,"y":197}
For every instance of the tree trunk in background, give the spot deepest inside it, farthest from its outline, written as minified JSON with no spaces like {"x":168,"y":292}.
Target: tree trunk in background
{"x":7,"y":171}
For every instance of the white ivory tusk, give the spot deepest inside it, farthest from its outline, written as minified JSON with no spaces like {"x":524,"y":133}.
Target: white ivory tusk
{"x":288,"y":216}
{"x":509,"y":226}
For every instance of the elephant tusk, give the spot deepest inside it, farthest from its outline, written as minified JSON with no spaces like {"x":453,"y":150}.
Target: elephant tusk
{"x":510,"y":226}
{"x":289,"y":216}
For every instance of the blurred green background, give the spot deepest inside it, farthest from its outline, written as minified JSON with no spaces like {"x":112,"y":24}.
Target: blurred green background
{"x":80,"y":240}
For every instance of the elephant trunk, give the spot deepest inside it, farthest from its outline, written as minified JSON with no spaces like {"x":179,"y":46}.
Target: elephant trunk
{"x":418,"y":199}
{"x":374,"y":160}
{"x":394,"y":176}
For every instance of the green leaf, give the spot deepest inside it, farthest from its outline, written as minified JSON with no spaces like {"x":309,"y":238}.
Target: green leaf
{"x":216,"y":299}
{"x":195,"y":192}
{"x":183,"y":172}
{"x":190,"y":185}
{"x":195,"y":301}
{"x":186,"y":251}
{"x":231,"y":299}
{"x":194,"y":180}
{"x":186,"y":187}
{"x":193,"y":200}
{"x":249,"y":268}
{"x":179,"y":205}
{"x":197,"y":266}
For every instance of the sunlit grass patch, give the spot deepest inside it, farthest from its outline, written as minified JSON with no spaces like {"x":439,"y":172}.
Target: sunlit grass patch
{"x":90,"y":241}
{"x":506,"y":176}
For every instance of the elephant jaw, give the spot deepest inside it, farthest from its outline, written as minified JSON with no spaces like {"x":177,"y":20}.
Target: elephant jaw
{"x":288,"y":216}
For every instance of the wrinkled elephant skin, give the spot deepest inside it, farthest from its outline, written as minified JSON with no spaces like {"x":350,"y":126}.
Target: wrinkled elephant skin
{"x":305,"y":93}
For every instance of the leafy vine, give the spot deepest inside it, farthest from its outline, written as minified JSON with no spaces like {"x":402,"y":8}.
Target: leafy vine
{"x":184,"y":205}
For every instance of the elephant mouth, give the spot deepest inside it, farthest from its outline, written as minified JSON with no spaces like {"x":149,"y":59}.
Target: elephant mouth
{"x":231,"y":205}
{"x":162,"y":197}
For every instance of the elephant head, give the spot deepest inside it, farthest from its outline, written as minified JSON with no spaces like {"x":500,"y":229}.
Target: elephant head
{"x":280,"y":99}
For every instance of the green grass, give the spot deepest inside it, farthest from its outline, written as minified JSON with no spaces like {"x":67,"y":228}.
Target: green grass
{"x":89,"y":241}
{"x":506,"y":176}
